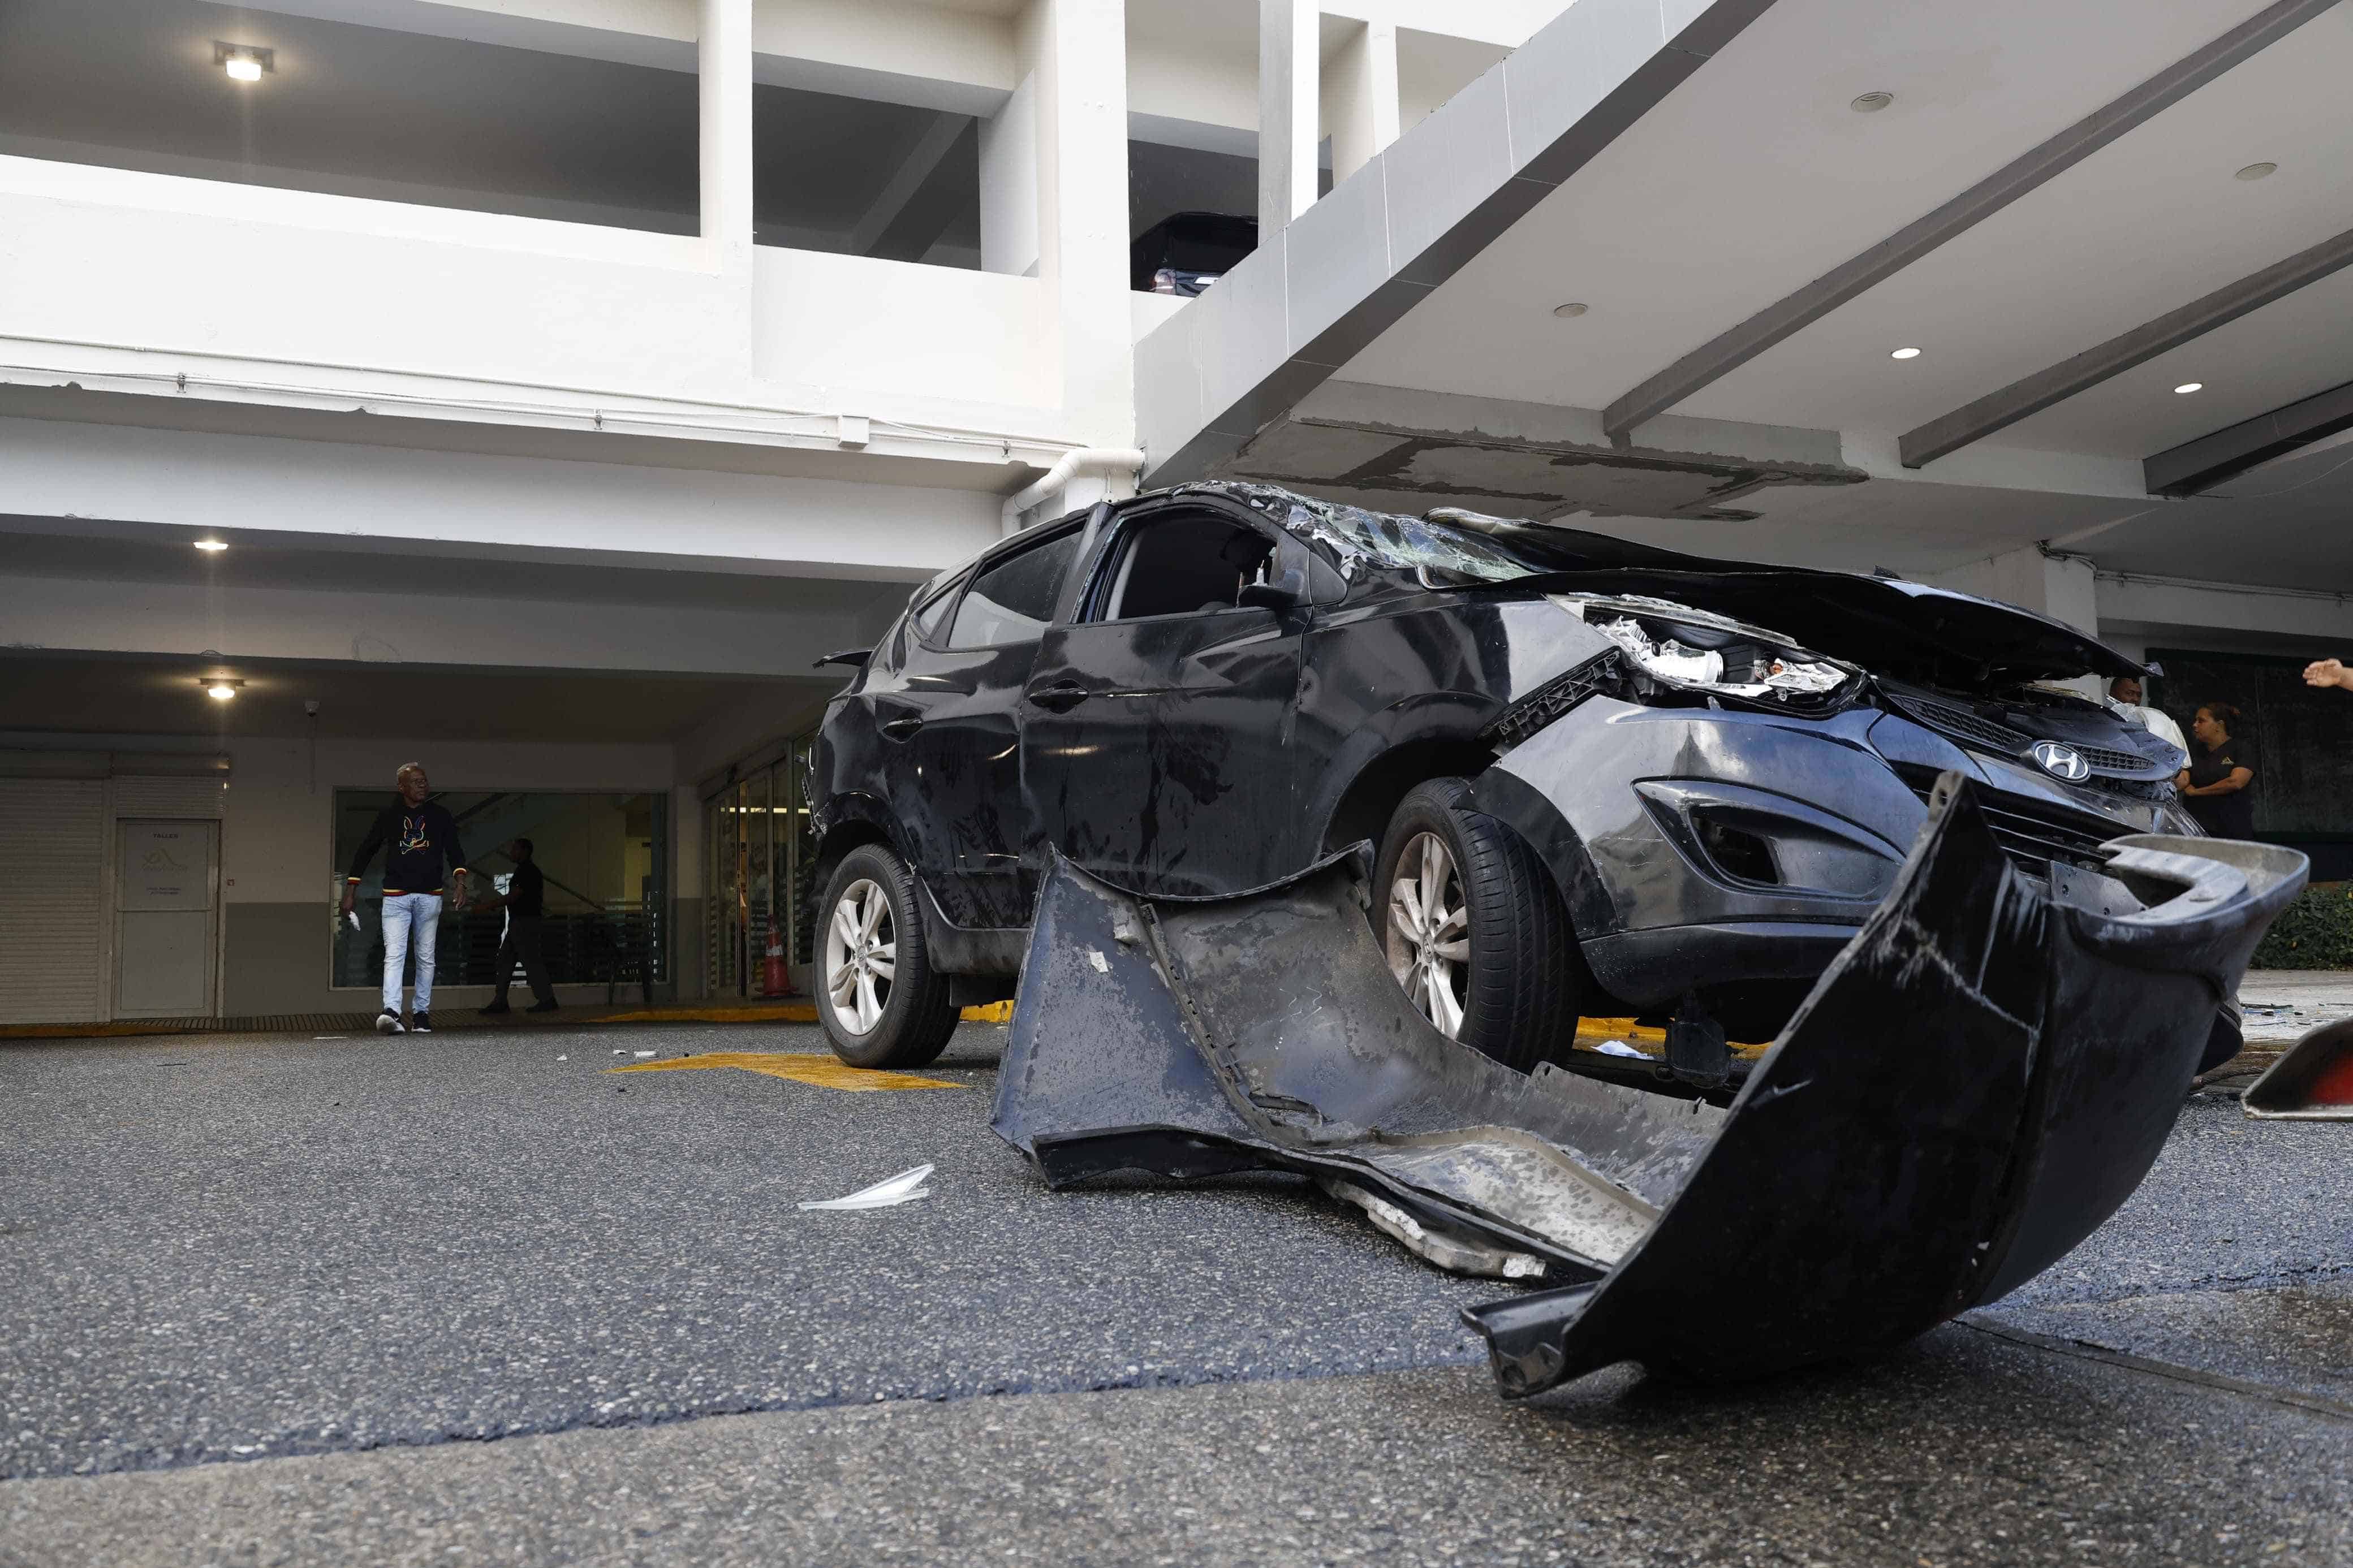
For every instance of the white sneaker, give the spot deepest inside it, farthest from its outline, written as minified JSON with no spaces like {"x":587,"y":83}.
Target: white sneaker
{"x":386,"y":1024}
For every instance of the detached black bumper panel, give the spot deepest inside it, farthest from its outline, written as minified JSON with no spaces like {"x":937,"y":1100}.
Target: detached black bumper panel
{"x":1986,"y":1071}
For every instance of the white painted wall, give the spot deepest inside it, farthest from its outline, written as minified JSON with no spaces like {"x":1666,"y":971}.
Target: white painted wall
{"x":854,"y":323}
{"x":525,"y":507}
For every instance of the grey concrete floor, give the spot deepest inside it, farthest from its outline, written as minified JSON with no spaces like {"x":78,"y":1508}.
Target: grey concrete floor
{"x":279,"y":1299}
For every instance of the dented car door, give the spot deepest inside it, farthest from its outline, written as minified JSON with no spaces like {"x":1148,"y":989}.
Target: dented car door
{"x":1153,"y":745}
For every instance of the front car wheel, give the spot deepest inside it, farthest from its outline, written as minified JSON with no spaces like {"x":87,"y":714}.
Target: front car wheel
{"x":1475,"y":932}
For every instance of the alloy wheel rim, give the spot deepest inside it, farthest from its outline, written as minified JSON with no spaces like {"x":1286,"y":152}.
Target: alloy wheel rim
{"x":861,"y":956}
{"x":1428,"y":933}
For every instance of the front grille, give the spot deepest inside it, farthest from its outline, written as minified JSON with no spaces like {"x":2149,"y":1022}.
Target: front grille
{"x":2034,"y":833}
{"x":1962,"y":724}
{"x":2116,"y":771}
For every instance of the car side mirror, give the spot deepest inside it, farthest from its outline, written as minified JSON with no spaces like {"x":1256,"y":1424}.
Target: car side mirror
{"x":1287,"y":592}
{"x":855,"y":657}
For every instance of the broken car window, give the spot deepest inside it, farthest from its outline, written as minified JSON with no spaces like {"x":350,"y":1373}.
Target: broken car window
{"x":1186,"y":564}
{"x":1012,"y":601}
{"x":1441,"y":551}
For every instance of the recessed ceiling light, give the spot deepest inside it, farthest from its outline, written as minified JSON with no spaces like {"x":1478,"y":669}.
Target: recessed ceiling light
{"x":2186,"y":387}
{"x":1872,"y":102}
{"x":1905,"y":353}
{"x":1571,"y":309}
{"x":244,"y":62}
{"x":2256,"y":171}
{"x":212,"y":545}
{"x":219,"y":687}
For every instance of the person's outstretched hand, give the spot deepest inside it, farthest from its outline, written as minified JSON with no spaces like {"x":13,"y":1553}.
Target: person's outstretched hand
{"x":2328,"y":672}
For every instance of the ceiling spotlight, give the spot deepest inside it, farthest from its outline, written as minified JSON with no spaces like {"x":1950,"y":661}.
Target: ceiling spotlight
{"x":1571,"y":309}
{"x":1905,"y":353}
{"x":2186,"y":387}
{"x":2256,"y":171}
{"x":244,"y":62}
{"x":1872,"y":102}
{"x":212,"y":546}
{"x":219,"y":687}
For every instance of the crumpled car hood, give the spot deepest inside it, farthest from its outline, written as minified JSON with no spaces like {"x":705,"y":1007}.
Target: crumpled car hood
{"x":1884,"y":623}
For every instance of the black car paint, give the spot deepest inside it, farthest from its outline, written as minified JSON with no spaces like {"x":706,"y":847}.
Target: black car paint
{"x":1187,"y":756}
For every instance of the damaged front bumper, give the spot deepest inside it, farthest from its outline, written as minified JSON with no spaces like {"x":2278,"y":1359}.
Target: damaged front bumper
{"x":1980,"y":1078}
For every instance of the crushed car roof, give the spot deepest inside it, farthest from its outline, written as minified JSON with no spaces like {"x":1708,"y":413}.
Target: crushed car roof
{"x":1880,"y":621}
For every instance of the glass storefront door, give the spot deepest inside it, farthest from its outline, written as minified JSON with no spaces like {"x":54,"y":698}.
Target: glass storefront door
{"x":761,"y":841}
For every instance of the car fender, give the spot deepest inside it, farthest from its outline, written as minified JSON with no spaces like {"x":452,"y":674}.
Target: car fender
{"x":1430,"y":734}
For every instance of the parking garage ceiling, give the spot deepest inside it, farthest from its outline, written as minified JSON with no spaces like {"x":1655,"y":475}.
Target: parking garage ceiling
{"x":2068,"y":215}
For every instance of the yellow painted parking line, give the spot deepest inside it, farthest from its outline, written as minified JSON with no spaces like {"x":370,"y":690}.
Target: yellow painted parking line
{"x":771,"y":1012}
{"x":1650,"y":1042}
{"x":801,"y":1067}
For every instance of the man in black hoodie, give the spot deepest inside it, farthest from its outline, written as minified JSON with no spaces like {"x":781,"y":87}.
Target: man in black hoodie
{"x":420,"y":836}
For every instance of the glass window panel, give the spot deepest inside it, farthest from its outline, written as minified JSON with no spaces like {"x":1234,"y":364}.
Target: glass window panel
{"x":1013,"y":600}
{"x":607,"y":894}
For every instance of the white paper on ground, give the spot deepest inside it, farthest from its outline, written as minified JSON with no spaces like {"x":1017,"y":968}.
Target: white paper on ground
{"x":1616,"y":1049}
{"x":904,"y":1187}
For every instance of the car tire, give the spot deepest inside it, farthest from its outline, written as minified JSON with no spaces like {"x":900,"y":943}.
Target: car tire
{"x":881,"y":1003}
{"x":1512,"y":983}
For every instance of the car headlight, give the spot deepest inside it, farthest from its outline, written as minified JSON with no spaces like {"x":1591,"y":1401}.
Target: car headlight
{"x":1673,"y":650}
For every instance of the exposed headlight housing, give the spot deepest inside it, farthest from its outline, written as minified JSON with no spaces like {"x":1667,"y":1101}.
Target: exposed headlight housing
{"x":1674,"y":652}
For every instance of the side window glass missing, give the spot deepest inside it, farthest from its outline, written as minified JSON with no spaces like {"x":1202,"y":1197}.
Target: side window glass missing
{"x":1013,"y":600}
{"x":1191,"y":564}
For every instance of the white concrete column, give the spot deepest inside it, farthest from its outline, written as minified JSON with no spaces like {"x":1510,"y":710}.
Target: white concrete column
{"x":1010,"y":162}
{"x":723,"y":56}
{"x":1361,"y":96}
{"x":1288,"y":64}
{"x":1074,"y":52}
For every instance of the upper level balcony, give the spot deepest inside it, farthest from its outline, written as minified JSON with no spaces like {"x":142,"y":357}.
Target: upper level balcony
{"x":862,"y":226}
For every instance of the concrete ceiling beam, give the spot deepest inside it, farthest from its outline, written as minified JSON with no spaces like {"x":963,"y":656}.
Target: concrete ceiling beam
{"x":1730,"y":350}
{"x":1311,"y":297}
{"x":2201,"y":465}
{"x":2030,"y":394}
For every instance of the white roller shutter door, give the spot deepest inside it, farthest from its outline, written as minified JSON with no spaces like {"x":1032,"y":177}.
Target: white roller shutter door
{"x":53,"y":899}
{"x":166,"y":797}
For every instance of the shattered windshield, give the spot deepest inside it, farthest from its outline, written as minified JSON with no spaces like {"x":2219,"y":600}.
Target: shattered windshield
{"x":1354,"y":536}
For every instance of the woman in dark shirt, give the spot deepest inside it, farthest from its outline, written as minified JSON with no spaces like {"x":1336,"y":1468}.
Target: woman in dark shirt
{"x":2215,"y":785}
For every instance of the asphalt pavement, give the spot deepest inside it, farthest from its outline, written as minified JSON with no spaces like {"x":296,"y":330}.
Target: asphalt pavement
{"x":472,"y":1297}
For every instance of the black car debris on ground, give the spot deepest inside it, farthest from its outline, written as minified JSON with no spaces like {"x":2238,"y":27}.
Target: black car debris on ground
{"x":1598,"y":785}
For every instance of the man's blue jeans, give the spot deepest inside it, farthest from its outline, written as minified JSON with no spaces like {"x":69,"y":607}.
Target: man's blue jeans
{"x":407,"y":917}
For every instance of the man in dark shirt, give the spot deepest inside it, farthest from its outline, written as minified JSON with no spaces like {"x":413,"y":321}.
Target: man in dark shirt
{"x":526,"y":906}
{"x":417,"y":834}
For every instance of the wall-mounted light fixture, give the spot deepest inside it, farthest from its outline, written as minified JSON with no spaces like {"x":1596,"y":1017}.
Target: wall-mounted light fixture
{"x":219,"y":687}
{"x":244,"y":62}
{"x":212,"y":546}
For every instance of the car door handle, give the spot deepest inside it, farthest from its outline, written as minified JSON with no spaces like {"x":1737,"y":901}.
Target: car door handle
{"x":1062,"y":695}
{"x":901,"y":726}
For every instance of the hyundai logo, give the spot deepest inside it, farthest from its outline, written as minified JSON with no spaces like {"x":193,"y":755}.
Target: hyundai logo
{"x":2062,"y":762}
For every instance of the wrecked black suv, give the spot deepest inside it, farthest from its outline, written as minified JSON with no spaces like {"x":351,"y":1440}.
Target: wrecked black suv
{"x":1596,"y":784}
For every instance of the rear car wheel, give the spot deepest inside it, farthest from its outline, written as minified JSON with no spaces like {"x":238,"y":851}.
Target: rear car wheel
{"x":1474,"y":929}
{"x":881,"y":1004}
